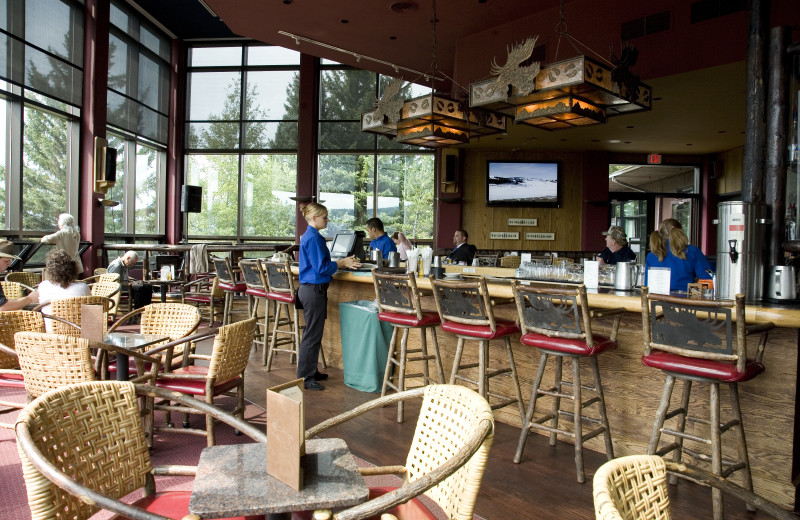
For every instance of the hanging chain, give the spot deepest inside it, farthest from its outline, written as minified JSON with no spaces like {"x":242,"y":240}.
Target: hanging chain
{"x":434,"y":65}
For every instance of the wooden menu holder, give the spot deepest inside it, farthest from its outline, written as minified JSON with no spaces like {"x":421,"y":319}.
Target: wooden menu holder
{"x":286,"y":433}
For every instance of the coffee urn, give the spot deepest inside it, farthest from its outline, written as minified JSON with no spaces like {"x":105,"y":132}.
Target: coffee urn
{"x":741,"y":229}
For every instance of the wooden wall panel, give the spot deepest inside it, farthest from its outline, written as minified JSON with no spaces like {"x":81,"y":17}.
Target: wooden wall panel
{"x":731,"y":179}
{"x":565,"y":221}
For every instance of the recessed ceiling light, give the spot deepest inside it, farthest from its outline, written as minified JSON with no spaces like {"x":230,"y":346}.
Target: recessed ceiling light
{"x":287,"y":2}
{"x":344,"y":21}
{"x":689,"y":144}
{"x":613,"y":141}
{"x":630,"y":126}
{"x":628,"y":142}
{"x":392,"y":37}
{"x":722,"y":131}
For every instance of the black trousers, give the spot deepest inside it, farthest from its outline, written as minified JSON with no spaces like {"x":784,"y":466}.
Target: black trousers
{"x":314,"y":299}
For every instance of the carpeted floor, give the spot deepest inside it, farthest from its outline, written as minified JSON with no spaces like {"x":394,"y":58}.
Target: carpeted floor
{"x":169,"y":448}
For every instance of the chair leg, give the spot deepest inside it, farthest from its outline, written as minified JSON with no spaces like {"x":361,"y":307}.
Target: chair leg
{"x":716,"y":448}
{"x":515,"y":380}
{"x":483,"y":358}
{"x":661,"y":414}
{"x":268,"y":309}
{"x":556,"y":399}
{"x":388,"y":370}
{"x":598,"y":384}
{"x":577,"y":402}
{"x":744,"y":456}
{"x":401,"y":377}
{"x":526,"y":422}
{"x":457,"y":360}
{"x":439,"y":369}
{"x":275,"y":320}
{"x":210,"y":437}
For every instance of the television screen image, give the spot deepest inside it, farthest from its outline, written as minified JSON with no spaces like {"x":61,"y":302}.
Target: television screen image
{"x":518,"y":183}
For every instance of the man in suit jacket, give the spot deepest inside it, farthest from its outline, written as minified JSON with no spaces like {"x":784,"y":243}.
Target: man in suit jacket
{"x":463,"y":252}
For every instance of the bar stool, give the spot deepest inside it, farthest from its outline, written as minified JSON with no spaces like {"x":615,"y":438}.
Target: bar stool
{"x":398,"y":303}
{"x":697,"y":341}
{"x":256,"y":293}
{"x":230,"y":285}
{"x":283,"y":293}
{"x":466,"y":310}
{"x":557,"y":320}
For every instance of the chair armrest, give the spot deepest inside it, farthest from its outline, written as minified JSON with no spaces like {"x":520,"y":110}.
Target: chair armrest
{"x":8,"y":350}
{"x":125,"y":318}
{"x":172,"y":470}
{"x":186,"y":339}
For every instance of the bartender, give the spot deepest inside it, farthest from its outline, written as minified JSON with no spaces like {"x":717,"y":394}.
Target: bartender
{"x":617,"y":249}
{"x":380,"y":240}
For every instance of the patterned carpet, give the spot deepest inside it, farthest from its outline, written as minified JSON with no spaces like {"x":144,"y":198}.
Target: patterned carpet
{"x":169,"y":448}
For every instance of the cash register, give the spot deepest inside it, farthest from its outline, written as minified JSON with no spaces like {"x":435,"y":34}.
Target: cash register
{"x":348,"y":243}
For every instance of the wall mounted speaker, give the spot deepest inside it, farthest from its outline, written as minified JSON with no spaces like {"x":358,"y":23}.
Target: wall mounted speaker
{"x":450,"y":168}
{"x":191,"y":199}
{"x":110,"y":171}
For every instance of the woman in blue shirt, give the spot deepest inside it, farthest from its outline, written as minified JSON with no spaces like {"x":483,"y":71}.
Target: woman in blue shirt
{"x":686,"y":262}
{"x":316,"y":271}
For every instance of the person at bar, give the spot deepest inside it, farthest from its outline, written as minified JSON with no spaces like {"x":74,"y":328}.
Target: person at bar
{"x":316,"y":271}
{"x":463,"y":253}
{"x":617,"y":249}
{"x":402,"y":243}
{"x":142,"y":292}
{"x":669,"y":247}
{"x":6,"y":257}
{"x":380,"y":240}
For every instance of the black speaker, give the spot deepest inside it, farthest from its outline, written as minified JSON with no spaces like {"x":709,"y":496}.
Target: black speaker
{"x":191,"y":199}
{"x":110,"y":172}
{"x":450,"y":167}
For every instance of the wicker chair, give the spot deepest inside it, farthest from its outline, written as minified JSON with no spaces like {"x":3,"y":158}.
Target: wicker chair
{"x":110,"y":289}
{"x":175,"y":320}
{"x":635,"y":488}
{"x":446,"y":460}
{"x":69,"y":310}
{"x":29,"y":278}
{"x":15,"y":289}
{"x":204,"y":293}
{"x":12,"y":322}
{"x":86,"y":462}
{"x":225,"y":371}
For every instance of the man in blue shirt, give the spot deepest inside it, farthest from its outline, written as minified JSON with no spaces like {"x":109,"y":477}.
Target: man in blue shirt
{"x":380,"y":240}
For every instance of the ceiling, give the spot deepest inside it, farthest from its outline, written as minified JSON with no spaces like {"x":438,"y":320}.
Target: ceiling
{"x":697,"y":112}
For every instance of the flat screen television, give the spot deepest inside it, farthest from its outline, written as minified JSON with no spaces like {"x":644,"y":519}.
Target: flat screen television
{"x":523,"y":183}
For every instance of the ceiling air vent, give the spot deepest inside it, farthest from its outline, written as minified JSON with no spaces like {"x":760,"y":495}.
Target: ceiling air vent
{"x":645,"y":26}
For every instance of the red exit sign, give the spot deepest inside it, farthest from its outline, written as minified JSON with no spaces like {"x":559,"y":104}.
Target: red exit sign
{"x":654,"y":158}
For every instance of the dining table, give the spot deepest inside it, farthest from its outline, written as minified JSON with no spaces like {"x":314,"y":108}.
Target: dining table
{"x":233,"y":480}
{"x":130,"y":341}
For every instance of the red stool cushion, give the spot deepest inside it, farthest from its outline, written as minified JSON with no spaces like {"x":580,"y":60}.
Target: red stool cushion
{"x":195,"y":387}
{"x":504,"y":328}
{"x":410,"y":320}
{"x":235,"y":287}
{"x":173,"y":504}
{"x":706,"y":368}
{"x":258,"y":293}
{"x":281,"y":297}
{"x":414,"y":509}
{"x":571,"y":347}
{"x":12,"y":381}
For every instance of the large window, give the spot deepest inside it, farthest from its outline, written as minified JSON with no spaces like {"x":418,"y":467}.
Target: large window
{"x":364,"y":175}
{"x":41,"y":75}
{"x":241,"y":140}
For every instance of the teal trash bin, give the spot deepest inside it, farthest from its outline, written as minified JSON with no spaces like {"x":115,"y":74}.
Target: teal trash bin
{"x":365,"y":345}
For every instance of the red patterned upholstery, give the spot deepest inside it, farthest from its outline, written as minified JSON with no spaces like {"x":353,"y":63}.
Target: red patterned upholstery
{"x":12,"y":381}
{"x":414,"y":509}
{"x":504,"y":328}
{"x":194,"y":386}
{"x":281,"y":297}
{"x":173,"y":504}
{"x":410,"y":320}
{"x":706,"y":368}
{"x":235,"y":287}
{"x":568,"y":346}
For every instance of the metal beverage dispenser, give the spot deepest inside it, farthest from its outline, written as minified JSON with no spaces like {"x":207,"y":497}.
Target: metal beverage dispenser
{"x":740,"y":249}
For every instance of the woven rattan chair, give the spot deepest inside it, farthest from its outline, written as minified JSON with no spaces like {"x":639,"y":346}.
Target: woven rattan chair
{"x":399,"y":304}
{"x":110,"y":289}
{"x":175,"y":320}
{"x":446,"y":460}
{"x":29,"y":278}
{"x":466,"y":310}
{"x":15,"y":289}
{"x":557,"y":321}
{"x":83,"y":448}
{"x":69,"y":310}
{"x":204,"y":293}
{"x":635,"y":488}
{"x":225,"y":372}
{"x":12,"y":322}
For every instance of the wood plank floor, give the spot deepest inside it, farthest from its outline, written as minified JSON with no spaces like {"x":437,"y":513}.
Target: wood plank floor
{"x":543,"y":486}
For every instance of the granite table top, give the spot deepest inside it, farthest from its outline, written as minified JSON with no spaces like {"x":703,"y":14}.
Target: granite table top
{"x":233,"y":481}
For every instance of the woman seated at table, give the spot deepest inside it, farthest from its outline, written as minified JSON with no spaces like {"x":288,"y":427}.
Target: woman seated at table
{"x":59,"y":283}
{"x":670,"y":248}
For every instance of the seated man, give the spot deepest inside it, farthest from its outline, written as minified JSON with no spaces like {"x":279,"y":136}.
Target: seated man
{"x":142,"y":293}
{"x":463,"y":253}
{"x":380,"y":240}
{"x":6,"y":257}
{"x":617,"y":249}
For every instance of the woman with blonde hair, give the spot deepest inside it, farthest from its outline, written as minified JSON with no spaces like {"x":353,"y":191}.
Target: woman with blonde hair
{"x":68,"y":238}
{"x":402,"y":243}
{"x":686,"y":262}
{"x":316,"y":272}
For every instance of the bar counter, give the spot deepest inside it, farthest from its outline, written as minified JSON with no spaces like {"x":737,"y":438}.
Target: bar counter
{"x":632,"y":391}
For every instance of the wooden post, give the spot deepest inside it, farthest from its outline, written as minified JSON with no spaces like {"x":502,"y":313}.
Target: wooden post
{"x":755,"y":126}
